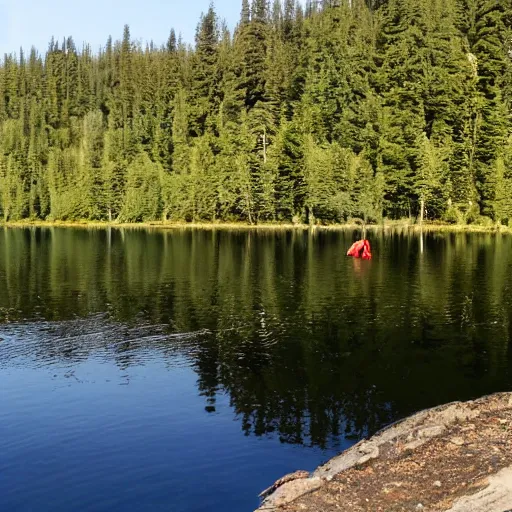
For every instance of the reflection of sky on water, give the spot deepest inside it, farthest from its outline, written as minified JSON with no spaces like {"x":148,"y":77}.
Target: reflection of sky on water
{"x":97,"y":429}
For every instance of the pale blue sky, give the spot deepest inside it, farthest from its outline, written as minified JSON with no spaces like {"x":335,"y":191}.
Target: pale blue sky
{"x":29,"y":23}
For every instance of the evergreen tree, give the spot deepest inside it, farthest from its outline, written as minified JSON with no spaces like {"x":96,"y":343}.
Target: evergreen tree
{"x":204,"y":95}
{"x":142,"y":200}
{"x":485,"y":31}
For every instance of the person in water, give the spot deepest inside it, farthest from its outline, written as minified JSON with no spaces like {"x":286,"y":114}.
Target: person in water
{"x":360,"y":249}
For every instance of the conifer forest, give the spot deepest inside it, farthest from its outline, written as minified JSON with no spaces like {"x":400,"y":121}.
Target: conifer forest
{"x":317,"y":113}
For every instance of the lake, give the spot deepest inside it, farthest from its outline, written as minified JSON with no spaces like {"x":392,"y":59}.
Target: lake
{"x":188,"y":370}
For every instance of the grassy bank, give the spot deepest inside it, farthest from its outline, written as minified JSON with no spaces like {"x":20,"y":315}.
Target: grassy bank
{"x":400,"y":225}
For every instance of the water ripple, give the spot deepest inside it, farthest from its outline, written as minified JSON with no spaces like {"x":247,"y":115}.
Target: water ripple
{"x":39,"y":344}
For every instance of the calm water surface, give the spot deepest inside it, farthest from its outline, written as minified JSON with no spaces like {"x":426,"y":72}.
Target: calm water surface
{"x":186,"y":371}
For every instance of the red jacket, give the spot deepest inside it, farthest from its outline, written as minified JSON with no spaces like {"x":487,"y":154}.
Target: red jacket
{"x":360,"y":249}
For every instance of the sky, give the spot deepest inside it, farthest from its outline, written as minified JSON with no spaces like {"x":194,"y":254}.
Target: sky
{"x":27,"y":23}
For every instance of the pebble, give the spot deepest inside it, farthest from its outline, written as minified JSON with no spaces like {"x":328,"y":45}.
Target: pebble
{"x":437,"y":483}
{"x":419,"y":506}
{"x":457,"y":441}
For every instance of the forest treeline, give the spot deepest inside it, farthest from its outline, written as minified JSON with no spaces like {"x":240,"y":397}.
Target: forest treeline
{"x":334,"y":110}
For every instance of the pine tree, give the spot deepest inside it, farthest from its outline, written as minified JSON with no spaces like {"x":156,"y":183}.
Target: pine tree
{"x":142,"y":200}
{"x":204,"y":97}
{"x":483,"y":24}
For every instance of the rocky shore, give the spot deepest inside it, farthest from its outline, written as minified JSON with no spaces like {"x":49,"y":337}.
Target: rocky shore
{"x":456,"y":457}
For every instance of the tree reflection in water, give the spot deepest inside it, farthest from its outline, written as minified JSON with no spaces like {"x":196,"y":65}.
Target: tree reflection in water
{"x":310,"y":346}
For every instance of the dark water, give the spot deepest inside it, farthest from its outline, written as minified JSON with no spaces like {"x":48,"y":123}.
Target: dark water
{"x":186,"y":371}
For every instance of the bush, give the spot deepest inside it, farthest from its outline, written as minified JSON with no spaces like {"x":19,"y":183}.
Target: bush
{"x":453,"y":216}
{"x":483,"y":221}
{"x":472,"y":215}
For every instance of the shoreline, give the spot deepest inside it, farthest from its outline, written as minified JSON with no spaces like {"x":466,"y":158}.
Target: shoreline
{"x":391,"y":226}
{"x":455,"y":458}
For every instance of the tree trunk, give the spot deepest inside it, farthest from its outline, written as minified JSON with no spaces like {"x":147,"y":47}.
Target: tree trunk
{"x":264,"y":145}
{"x":311,"y":216}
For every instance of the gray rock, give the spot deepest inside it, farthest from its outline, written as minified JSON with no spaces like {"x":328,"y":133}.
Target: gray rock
{"x":406,"y":434}
{"x":290,"y":491}
{"x":496,"y":497}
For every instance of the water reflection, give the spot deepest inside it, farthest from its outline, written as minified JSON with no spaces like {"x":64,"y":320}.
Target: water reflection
{"x":310,"y":346}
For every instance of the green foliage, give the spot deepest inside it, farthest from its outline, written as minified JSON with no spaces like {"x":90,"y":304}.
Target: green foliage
{"x":433,"y":186}
{"x":142,"y":201}
{"x":503,"y":179}
{"x":343,"y":109}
